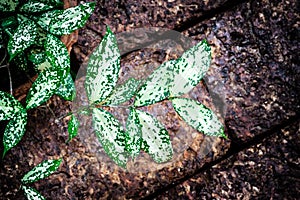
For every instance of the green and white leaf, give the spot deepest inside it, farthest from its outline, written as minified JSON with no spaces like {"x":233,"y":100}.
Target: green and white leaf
{"x":133,"y":134}
{"x":9,"y":106}
{"x":157,"y":86}
{"x":111,"y":135}
{"x":156,"y":140}
{"x":71,"y":19}
{"x":190,"y":68}
{"x":41,"y":171}
{"x":21,"y":18}
{"x":21,"y":61}
{"x":123,"y":93}
{"x":41,"y":38}
{"x":103,"y":69}
{"x":34,"y":6}
{"x":73,"y":127}
{"x":22,"y":38}
{"x":54,"y":3}
{"x":44,"y":19}
{"x":43,"y":87}
{"x":32,"y":194}
{"x":8,"y":5}
{"x":39,"y":61}
{"x":67,"y":89}
{"x":43,"y":66}
{"x":14,"y":130}
{"x":198,"y":116}
{"x":58,"y":55}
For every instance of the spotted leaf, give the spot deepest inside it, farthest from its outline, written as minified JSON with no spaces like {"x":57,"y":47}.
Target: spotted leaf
{"x":190,"y":68}
{"x":155,"y":138}
{"x":133,"y":139}
{"x":198,"y":116}
{"x":8,"y":5}
{"x":67,"y":89}
{"x":41,"y":171}
{"x":44,"y":19}
{"x":43,"y":88}
{"x":22,"y":38}
{"x":111,"y":135}
{"x":57,"y":55}
{"x":31,"y":193}
{"x":54,"y":3}
{"x":73,"y":127}
{"x":156,"y":88}
{"x":71,"y":19}
{"x":9,"y":106}
{"x":21,"y":62}
{"x":34,"y":6}
{"x":103,"y":69}
{"x":39,"y":61}
{"x":123,"y":93}
{"x":14,"y":130}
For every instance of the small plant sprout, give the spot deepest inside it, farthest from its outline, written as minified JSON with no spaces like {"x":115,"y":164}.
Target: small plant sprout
{"x":143,"y":131}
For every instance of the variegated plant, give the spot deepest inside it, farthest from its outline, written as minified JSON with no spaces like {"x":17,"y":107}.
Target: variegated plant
{"x":41,"y":171}
{"x":143,"y":131}
{"x":31,"y":30}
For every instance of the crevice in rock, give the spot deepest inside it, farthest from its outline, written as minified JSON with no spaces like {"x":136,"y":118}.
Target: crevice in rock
{"x":277,"y":129}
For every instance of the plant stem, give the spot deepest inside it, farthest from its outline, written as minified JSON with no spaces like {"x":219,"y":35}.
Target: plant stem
{"x":10,"y":81}
{"x":3,"y":59}
{"x":3,"y":66}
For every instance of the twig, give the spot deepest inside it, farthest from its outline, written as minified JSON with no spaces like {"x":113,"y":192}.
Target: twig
{"x":3,"y":58}
{"x":10,"y":81}
{"x":3,"y":66}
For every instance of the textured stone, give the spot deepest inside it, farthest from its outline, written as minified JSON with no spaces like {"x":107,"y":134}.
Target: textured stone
{"x":254,"y":62}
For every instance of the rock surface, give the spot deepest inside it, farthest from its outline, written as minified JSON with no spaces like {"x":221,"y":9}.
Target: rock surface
{"x":254,"y":73}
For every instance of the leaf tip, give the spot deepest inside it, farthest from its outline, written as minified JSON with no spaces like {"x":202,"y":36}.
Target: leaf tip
{"x":108,"y":30}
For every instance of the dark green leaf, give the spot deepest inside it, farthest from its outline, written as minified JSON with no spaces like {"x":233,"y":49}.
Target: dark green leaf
{"x":73,"y":127}
{"x":43,"y":88}
{"x":103,"y":69}
{"x":198,"y":116}
{"x":157,"y":86}
{"x":111,"y":135}
{"x":8,"y":5}
{"x":14,"y":130}
{"x":41,"y":171}
{"x":33,"y":6}
{"x":9,"y":22}
{"x":123,"y":93}
{"x":9,"y":106}
{"x":156,"y":140}
{"x":22,"y":38}
{"x":71,"y":19}
{"x":133,"y":134}
{"x":9,"y":25}
{"x":32,"y":194}
{"x":57,"y":55}
{"x":190,"y":68}
{"x":67,"y":89}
